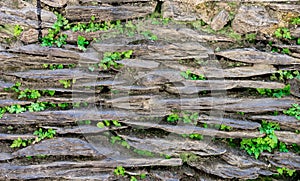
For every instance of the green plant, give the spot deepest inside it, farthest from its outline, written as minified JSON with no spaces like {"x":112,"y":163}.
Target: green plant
{"x":295,"y":21}
{"x":84,"y":122}
{"x":119,"y":171}
{"x":2,"y":112}
{"x":188,"y":157}
{"x":30,"y":94}
{"x":67,"y":83}
{"x":241,"y":113}
{"x":15,"y":109}
{"x":173,"y":117}
{"x":38,"y":106}
{"x":293,"y":111}
{"x":132,"y":178}
{"x":110,"y":58}
{"x":119,"y":140}
{"x":18,"y":143}
{"x":149,"y":35}
{"x":256,"y":146}
{"x":143,"y":152}
{"x":48,"y":92}
{"x":108,"y":123}
{"x":53,"y":66}
{"x":63,"y":105}
{"x":17,"y":30}
{"x":53,"y":36}
{"x":61,"y":40}
{"x":196,"y":136}
{"x":81,"y":42}
{"x":189,"y":117}
{"x":282,"y":33}
{"x":41,"y":135}
{"x":282,"y":147}
{"x":278,"y":93}
{"x":189,"y":75}
{"x":185,"y":117}
{"x":251,"y":37}
{"x":130,"y":28}
{"x":283,"y":75}
{"x":285,"y":171}
{"x":224,"y":127}
{"x":285,"y":51}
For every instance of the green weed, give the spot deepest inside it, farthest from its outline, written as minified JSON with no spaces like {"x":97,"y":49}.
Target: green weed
{"x":67,"y":83}
{"x":188,"y":157}
{"x":41,"y":135}
{"x":194,"y":136}
{"x":251,"y":37}
{"x":110,"y":58}
{"x":53,"y":37}
{"x":283,"y":75}
{"x":224,"y":127}
{"x":119,"y":140}
{"x":119,"y":171}
{"x":17,"y":30}
{"x":173,"y":117}
{"x":190,"y":76}
{"x":81,"y":42}
{"x":293,"y":111}
{"x":149,"y":35}
{"x":283,"y":33}
{"x":143,"y":152}
{"x":108,"y":123}
{"x":53,"y":66}
{"x":256,"y":146}
{"x":295,"y":21}
{"x":278,"y":93}
{"x":285,"y":171}
{"x":19,"y":143}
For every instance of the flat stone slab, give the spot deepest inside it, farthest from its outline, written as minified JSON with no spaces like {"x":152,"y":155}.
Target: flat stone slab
{"x":248,"y":55}
{"x":59,"y":147}
{"x":218,"y":72}
{"x":173,"y":146}
{"x":83,"y":170}
{"x":4,"y":136}
{"x":158,"y":51}
{"x":194,"y":87}
{"x":234,"y":123}
{"x":251,"y":19}
{"x":102,"y":13}
{"x":289,"y":160}
{"x":226,"y":171}
{"x":188,"y":129}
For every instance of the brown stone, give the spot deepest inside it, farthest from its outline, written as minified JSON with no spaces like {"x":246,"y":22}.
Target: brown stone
{"x":252,"y":19}
{"x":220,"y":20}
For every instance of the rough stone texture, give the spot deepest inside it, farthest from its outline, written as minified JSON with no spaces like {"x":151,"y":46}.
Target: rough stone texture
{"x":177,"y":10}
{"x":146,"y":89}
{"x":220,"y":20}
{"x":248,"y":55}
{"x":222,"y":169}
{"x":31,"y":36}
{"x":252,"y":19}
{"x":288,"y":160}
{"x":59,"y":147}
{"x":26,"y":17}
{"x":55,"y":3}
{"x":84,"y":13}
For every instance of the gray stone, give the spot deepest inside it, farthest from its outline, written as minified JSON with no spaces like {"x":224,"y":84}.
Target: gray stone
{"x":55,"y":3}
{"x":252,"y":19}
{"x":220,"y":20}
